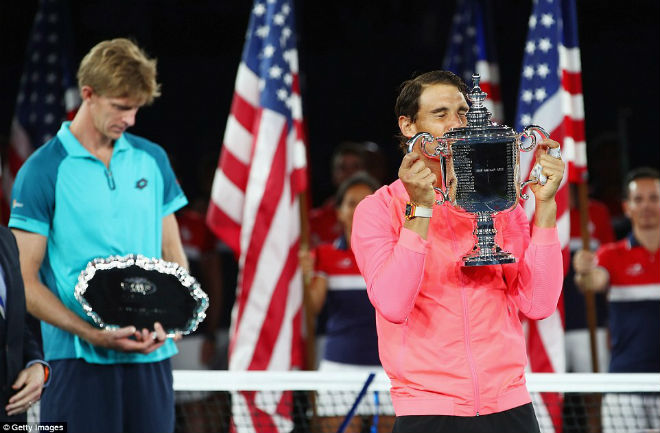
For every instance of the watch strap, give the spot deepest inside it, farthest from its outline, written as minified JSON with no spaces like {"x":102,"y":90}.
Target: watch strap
{"x":414,"y":211}
{"x":424,"y":212}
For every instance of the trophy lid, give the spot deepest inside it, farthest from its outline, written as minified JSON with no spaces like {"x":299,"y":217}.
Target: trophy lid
{"x":479,"y":125}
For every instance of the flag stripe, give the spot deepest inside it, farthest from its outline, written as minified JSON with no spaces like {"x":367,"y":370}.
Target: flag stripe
{"x":572,"y":105}
{"x":569,"y":59}
{"x":247,"y":85}
{"x":238,"y":141}
{"x":260,"y":418}
{"x":493,"y":90}
{"x":224,"y":227}
{"x":224,"y":190}
{"x":245,"y":114}
{"x":572,"y":128}
{"x":488,"y":71}
{"x":285,"y":353}
{"x":235,"y":170}
{"x":268,"y":177}
{"x":571,"y":82}
{"x":276,"y":312}
{"x":569,"y":127}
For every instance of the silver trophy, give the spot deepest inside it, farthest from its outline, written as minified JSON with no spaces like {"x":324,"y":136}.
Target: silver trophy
{"x":481,"y":165}
{"x":136,"y":290}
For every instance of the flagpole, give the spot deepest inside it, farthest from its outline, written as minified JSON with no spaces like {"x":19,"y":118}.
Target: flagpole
{"x":589,"y":296}
{"x":310,"y":317}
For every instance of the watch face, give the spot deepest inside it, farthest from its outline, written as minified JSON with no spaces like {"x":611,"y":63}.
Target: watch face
{"x":409,"y":211}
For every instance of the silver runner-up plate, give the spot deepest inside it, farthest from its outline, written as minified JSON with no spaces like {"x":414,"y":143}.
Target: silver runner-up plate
{"x":135,"y":290}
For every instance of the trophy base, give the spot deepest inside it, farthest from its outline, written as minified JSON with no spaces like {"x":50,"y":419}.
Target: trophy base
{"x":499,"y":258}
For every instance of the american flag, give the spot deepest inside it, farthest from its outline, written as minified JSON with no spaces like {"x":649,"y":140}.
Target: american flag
{"x":255,"y":207}
{"x":48,"y":93}
{"x":551,"y":96}
{"x":471,"y":49}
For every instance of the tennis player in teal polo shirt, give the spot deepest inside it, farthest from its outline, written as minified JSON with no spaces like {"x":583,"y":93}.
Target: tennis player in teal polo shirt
{"x":94,"y":191}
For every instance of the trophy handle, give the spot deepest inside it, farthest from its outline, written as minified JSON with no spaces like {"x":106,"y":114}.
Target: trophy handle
{"x":536,"y":175}
{"x":441,"y":152}
{"x":529,"y":134}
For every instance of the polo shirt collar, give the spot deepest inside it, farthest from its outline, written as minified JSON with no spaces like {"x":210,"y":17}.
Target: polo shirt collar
{"x":341,"y":243}
{"x":632,"y":241}
{"x":74,"y":148}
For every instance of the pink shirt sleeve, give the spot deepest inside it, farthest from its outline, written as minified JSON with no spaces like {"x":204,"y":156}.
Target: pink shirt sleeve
{"x":392,"y":264}
{"x":540,"y":275}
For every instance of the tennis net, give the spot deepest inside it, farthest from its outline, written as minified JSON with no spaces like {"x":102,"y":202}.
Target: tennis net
{"x":302,"y":401}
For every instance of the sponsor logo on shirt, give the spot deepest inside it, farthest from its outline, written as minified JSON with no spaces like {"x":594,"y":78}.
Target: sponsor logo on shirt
{"x":140,"y":184}
{"x":16,"y":204}
{"x":344,"y":263}
{"x":635,"y":269}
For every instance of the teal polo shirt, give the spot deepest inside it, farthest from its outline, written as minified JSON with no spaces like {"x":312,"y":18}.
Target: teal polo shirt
{"x":87,"y":210}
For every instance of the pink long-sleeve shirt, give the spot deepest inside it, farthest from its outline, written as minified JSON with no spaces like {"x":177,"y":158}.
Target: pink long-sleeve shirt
{"x":449,"y":336}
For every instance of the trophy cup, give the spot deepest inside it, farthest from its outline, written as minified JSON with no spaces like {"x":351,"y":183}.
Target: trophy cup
{"x":135,"y":290}
{"x":484,"y":159}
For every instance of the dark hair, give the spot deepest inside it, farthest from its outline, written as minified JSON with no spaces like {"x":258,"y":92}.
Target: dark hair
{"x":407,"y":103}
{"x":639,"y":173}
{"x":359,"y":178}
{"x":347,"y":148}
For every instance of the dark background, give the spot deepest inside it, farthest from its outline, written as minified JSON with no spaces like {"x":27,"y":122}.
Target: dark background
{"x":353,"y":55}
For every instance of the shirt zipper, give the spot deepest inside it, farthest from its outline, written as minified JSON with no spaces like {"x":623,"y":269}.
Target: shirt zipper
{"x":110,"y":179}
{"x":466,"y":330}
{"x":468,"y":350}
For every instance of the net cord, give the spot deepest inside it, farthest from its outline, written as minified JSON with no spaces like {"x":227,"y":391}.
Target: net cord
{"x":223,"y":380}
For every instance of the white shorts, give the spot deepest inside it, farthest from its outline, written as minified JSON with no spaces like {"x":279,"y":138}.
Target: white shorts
{"x":578,"y":352}
{"x":339,"y":403}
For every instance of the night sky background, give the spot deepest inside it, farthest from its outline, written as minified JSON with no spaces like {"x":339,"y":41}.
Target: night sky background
{"x":353,"y":55}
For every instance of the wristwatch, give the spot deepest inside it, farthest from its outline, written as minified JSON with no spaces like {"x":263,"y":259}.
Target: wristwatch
{"x":414,"y":211}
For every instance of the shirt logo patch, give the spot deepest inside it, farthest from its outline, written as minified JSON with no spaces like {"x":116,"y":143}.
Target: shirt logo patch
{"x":344,"y":263}
{"x":16,"y":204}
{"x":635,"y":269}
{"x":141,"y":183}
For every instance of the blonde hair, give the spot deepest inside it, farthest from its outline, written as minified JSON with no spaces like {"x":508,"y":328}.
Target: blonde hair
{"x":120,"y":69}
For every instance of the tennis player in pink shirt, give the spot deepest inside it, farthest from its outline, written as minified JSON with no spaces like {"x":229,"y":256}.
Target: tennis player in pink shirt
{"x":449,"y":336}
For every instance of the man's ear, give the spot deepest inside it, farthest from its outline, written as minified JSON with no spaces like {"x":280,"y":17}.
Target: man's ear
{"x":625,"y":207}
{"x":407,"y":126}
{"x":86,"y":92}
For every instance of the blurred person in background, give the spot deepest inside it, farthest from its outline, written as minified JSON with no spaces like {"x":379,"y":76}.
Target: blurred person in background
{"x":351,"y":343}
{"x":347,"y":159}
{"x":375,"y":162}
{"x":629,"y":271}
{"x":606,"y":176}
